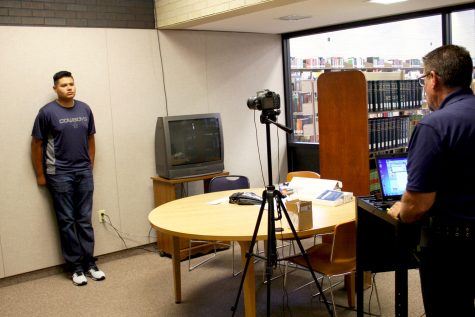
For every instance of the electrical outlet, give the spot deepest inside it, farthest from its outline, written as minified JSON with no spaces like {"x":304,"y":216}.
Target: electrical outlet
{"x":100,"y":215}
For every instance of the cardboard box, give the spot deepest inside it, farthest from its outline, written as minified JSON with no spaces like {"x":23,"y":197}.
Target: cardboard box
{"x":300,"y":213}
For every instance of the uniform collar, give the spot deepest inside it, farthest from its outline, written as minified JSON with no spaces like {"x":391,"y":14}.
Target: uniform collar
{"x":455,"y":96}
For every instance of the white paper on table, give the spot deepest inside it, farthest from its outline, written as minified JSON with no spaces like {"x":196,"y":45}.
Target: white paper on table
{"x":306,"y":188}
{"x":219,"y":201}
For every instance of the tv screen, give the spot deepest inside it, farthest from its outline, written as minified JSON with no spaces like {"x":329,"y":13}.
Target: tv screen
{"x":189,"y":145}
{"x":189,"y":135}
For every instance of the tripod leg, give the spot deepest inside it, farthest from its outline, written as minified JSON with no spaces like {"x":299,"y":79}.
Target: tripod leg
{"x":271,"y":260}
{"x":302,"y":250}
{"x":250,"y":298}
{"x":249,"y":285}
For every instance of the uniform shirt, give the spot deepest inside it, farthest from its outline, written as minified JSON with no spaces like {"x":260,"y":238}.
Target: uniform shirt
{"x":64,"y":132}
{"x":441,"y":156}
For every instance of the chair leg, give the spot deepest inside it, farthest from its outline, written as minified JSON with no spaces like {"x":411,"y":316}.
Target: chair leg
{"x":192,"y":267}
{"x":376,"y":291}
{"x":286,"y":270}
{"x":234,"y":265}
{"x":350,"y":289}
{"x":233,"y":251}
{"x":232,"y":247}
{"x":333,"y":298}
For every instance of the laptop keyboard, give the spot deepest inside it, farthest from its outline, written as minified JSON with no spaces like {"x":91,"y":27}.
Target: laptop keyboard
{"x":382,"y":205}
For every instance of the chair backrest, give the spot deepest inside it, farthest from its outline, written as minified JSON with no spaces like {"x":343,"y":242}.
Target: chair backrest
{"x":220,"y":183}
{"x":344,"y":243}
{"x":308,"y":174}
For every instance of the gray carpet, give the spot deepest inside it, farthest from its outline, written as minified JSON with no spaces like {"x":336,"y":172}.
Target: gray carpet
{"x":139,"y":283}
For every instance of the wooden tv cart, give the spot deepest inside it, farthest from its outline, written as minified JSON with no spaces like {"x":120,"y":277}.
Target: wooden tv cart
{"x":164,"y":190}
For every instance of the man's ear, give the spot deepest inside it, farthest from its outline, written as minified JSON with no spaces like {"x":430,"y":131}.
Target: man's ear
{"x":434,"y":79}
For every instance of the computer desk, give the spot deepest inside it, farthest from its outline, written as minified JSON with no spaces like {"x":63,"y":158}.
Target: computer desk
{"x":383,"y":244}
{"x":194,"y":218}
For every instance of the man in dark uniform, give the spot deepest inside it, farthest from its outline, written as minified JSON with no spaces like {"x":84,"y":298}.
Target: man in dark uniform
{"x":440,"y":192}
{"x":63,"y":150}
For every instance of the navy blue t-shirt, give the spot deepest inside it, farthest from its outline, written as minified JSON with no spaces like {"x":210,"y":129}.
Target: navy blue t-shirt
{"x":65,"y":133}
{"x":441,"y":156}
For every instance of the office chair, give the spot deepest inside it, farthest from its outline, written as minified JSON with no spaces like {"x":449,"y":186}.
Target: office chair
{"x":229,"y":182}
{"x":216,"y":184}
{"x":308,"y":174}
{"x":337,"y":258}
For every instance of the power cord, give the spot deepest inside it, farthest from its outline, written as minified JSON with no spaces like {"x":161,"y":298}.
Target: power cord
{"x":371,"y":293}
{"x":258,"y":151}
{"x":259,"y":154}
{"x":278,"y":156}
{"x":108,"y":221}
{"x":163,"y":70}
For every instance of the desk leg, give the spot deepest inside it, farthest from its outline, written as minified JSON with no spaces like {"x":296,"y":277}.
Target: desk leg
{"x":401,"y":285}
{"x":176,"y":268}
{"x":249,"y":286}
{"x":359,"y":293}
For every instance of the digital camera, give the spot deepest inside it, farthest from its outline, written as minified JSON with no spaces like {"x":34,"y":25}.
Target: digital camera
{"x":264,"y":100}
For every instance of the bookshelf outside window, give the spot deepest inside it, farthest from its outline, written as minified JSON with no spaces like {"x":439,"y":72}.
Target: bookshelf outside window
{"x":384,"y":52}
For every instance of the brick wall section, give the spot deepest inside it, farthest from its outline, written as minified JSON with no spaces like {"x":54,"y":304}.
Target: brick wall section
{"x":135,"y":14}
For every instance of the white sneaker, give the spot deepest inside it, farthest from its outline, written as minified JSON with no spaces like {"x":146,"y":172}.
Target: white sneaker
{"x":96,"y":274}
{"x":79,"y":279}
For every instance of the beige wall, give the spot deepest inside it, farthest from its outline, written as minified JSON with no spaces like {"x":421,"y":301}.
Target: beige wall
{"x":119,"y":73}
{"x":218,"y":72}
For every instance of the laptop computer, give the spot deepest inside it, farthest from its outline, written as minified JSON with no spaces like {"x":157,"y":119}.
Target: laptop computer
{"x":392,"y":174}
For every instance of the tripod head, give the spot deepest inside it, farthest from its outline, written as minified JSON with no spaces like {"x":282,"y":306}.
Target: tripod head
{"x":270,"y":117}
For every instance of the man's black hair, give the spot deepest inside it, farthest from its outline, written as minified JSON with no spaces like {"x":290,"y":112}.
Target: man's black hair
{"x":61,"y":74}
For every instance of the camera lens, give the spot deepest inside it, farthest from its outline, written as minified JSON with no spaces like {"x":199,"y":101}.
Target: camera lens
{"x":252,"y":103}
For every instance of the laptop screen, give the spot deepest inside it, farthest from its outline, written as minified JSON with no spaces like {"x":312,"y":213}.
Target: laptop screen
{"x":392,"y":175}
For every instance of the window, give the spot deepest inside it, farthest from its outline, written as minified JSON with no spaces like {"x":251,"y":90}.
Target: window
{"x":408,"y":39}
{"x":395,"y":47}
{"x":463,"y":30}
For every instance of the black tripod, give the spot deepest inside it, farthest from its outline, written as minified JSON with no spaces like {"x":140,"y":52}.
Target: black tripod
{"x":268,"y":197}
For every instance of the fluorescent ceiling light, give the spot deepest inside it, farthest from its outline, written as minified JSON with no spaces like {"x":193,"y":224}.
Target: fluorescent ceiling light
{"x":294,"y":17}
{"x":386,"y":1}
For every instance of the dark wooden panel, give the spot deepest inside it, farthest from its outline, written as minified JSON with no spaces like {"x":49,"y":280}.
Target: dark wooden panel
{"x":343,"y":125}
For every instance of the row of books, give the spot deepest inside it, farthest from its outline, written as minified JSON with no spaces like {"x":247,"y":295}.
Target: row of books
{"x":303,"y":103}
{"x":387,"y":95}
{"x":358,"y":62}
{"x":388,"y":133}
{"x":318,"y":62}
{"x":305,"y":84}
{"x":305,"y":130}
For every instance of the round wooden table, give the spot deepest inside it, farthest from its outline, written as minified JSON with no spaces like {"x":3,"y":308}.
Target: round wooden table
{"x":195,"y":217}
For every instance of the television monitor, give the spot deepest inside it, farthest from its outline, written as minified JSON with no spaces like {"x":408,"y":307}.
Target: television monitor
{"x":189,"y":145}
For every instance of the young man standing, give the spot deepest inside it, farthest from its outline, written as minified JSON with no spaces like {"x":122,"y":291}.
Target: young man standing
{"x":62,"y":150}
{"x":440,"y":190}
